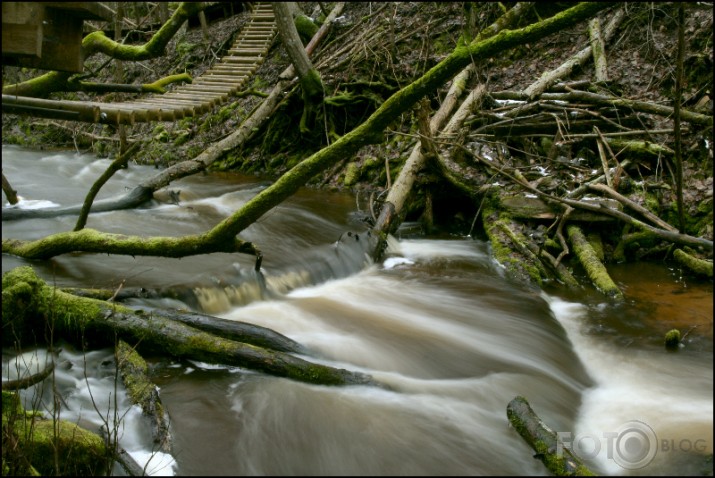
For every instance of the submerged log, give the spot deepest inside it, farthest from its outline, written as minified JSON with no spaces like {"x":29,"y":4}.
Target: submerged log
{"x":558,"y":459}
{"x":29,"y":304}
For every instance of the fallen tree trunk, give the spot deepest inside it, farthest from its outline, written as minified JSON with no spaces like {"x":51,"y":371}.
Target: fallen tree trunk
{"x":29,"y":305}
{"x":598,"y":46}
{"x":234,"y":330}
{"x":557,"y":458}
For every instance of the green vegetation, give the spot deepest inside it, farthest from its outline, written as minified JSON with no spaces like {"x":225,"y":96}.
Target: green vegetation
{"x":672,"y":339}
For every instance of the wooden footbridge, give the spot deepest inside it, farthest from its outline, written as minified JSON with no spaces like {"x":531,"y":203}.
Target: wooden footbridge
{"x":214,"y":87}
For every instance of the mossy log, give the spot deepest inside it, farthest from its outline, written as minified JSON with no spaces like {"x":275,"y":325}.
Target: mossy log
{"x":91,"y":240}
{"x":698,"y":266}
{"x":29,"y":305}
{"x":143,"y":392}
{"x":594,"y":267}
{"x":599,"y":49}
{"x":558,"y":459}
{"x":43,"y":447}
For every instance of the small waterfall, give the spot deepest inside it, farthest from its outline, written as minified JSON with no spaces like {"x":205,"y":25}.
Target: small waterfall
{"x":348,"y":255}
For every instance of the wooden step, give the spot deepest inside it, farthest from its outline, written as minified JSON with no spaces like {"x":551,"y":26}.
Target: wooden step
{"x":158,"y":114}
{"x":218,"y":89}
{"x":188,"y":107}
{"x":220,"y":79}
{"x":240,"y":60}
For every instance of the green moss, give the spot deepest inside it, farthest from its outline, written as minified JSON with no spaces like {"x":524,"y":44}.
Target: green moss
{"x":306,"y":28}
{"x":698,"y":266}
{"x":552,"y":244}
{"x":506,"y":246}
{"x":594,"y":239}
{"x":184,"y":48}
{"x":80,"y":452}
{"x":11,"y":407}
{"x":672,"y":339}
{"x":352,"y":174}
{"x":182,"y":137}
{"x":594,"y":267}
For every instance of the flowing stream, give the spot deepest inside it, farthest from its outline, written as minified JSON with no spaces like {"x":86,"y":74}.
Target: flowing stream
{"x":437,"y":323}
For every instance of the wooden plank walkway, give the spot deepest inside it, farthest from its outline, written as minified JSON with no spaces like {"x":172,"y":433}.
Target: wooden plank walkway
{"x":214,"y":87}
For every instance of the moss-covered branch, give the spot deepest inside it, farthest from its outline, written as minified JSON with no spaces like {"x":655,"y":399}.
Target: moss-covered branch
{"x":143,"y":392}
{"x":91,"y":240}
